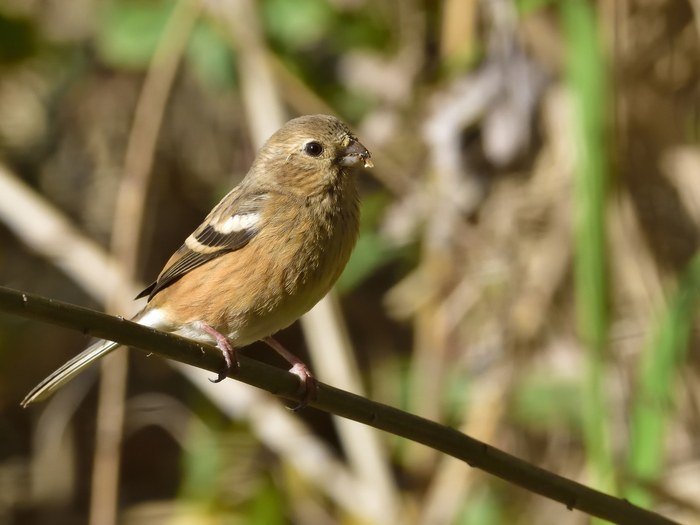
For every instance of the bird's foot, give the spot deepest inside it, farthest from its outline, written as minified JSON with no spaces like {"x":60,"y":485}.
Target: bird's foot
{"x":308,"y":385}
{"x":229,"y":353}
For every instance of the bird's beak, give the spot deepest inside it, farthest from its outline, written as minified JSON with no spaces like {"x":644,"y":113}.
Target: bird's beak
{"x":354,"y":154}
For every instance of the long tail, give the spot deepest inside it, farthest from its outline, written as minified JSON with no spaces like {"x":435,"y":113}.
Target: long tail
{"x":68,"y":371}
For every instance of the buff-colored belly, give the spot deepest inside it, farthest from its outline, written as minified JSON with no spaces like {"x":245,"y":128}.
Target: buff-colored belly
{"x":255,"y":292}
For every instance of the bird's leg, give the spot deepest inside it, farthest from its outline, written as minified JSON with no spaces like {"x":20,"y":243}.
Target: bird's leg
{"x":308,"y":385}
{"x":223,"y":344}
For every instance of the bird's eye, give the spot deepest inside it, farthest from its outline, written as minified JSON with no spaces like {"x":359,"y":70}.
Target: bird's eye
{"x":313,"y":148}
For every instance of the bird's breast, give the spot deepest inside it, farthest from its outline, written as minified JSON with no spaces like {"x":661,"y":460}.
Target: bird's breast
{"x":292,"y":263}
{"x":297,"y":260}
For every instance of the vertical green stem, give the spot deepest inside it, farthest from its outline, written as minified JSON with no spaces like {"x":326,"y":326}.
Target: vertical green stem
{"x":587,"y":71}
{"x":654,"y":404}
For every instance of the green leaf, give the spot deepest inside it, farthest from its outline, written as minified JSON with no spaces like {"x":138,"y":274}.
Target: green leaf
{"x":211,"y":57}
{"x":267,"y":507}
{"x":131,"y":31}
{"x":371,"y":251}
{"x":299,"y":23}
{"x":543,"y":404}
{"x":484,"y":508}
{"x":202,"y":464}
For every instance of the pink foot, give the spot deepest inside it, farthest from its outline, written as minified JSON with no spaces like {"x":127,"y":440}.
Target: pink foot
{"x":308,"y":385}
{"x":229,"y":353}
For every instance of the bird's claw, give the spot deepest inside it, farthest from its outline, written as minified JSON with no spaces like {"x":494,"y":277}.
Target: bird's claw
{"x":229,"y":353}
{"x":223,"y":374}
{"x":308,"y":385}
{"x":231,"y":359}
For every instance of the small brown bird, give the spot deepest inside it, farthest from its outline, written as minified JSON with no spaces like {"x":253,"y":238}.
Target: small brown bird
{"x":265,"y":255}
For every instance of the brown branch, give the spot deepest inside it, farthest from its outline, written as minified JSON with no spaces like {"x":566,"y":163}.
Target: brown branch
{"x":279,"y":382}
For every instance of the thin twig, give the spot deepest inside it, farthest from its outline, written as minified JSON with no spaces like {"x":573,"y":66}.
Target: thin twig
{"x":126,"y":233}
{"x":335,"y":401}
{"x":48,"y":232}
{"x":148,"y":117}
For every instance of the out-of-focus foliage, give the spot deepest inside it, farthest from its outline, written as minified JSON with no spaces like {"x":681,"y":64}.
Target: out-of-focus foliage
{"x":527,"y":270}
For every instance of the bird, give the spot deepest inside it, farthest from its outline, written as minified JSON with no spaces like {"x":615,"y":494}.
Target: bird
{"x":265,"y":255}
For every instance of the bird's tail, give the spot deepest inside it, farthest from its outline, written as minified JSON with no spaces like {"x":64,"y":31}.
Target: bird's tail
{"x":68,"y":371}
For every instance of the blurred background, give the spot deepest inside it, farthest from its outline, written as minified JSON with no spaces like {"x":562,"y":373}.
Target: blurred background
{"x":527,"y":270}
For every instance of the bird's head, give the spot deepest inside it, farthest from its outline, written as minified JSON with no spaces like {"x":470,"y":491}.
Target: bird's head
{"x":310,"y":154}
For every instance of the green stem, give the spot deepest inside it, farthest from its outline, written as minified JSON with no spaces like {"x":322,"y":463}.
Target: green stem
{"x":654,"y":403}
{"x":586,"y":71}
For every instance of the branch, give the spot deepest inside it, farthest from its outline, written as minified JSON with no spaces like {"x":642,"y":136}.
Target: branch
{"x":335,"y":401}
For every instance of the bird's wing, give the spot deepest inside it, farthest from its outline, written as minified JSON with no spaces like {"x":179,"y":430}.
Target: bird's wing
{"x":229,"y":227}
